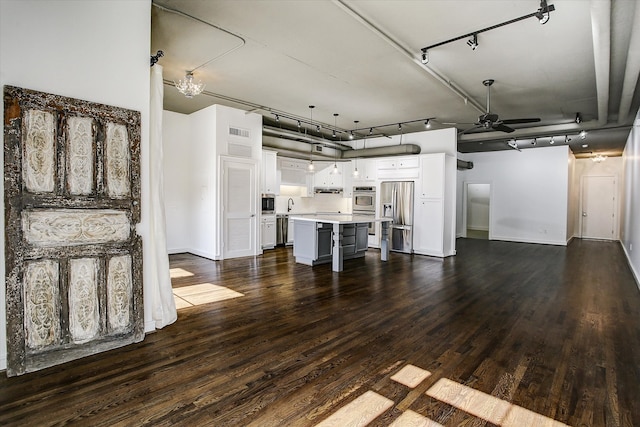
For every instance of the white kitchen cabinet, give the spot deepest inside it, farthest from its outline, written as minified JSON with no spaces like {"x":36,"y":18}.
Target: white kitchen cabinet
{"x":268,"y":232}
{"x":434,"y":206}
{"x":428,"y":227}
{"x":401,"y":167}
{"x":269,"y":176}
{"x":432,"y":168}
{"x":290,"y":229}
{"x":325,"y":178}
{"x":366,"y":171}
{"x":296,"y":173}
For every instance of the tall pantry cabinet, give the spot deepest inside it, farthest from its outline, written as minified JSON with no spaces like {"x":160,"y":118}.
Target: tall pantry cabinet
{"x":435,"y":206}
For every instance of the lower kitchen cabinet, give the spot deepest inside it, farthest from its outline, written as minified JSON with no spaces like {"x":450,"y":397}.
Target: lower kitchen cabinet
{"x":268,"y":232}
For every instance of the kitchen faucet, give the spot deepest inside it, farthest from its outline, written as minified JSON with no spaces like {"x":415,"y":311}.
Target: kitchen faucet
{"x":289,"y":204}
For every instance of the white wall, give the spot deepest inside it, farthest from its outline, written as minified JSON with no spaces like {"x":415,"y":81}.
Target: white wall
{"x":176,"y":140}
{"x":630,"y":234}
{"x":92,"y":50}
{"x":529,"y":193}
{"x":193,"y":144}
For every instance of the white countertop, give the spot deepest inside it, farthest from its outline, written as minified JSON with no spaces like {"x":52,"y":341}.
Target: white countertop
{"x":338,"y":218}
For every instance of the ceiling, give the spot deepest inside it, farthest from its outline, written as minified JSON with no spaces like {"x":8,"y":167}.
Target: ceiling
{"x":361,"y":59}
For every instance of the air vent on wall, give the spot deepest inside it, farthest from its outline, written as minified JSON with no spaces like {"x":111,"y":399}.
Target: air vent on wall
{"x":244,"y":133}
{"x":318,"y":148}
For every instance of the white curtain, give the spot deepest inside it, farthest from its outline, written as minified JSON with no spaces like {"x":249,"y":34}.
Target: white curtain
{"x":163,"y":304}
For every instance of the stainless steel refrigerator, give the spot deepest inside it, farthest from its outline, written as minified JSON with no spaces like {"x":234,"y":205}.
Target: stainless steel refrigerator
{"x":396,"y":202}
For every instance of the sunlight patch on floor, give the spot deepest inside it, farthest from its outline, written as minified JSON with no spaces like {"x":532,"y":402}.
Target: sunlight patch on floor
{"x":176,"y":273}
{"x":203,"y":293}
{"x":369,"y":406}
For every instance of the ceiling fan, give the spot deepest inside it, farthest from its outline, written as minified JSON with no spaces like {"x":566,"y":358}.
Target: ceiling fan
{"x":491,"y":121}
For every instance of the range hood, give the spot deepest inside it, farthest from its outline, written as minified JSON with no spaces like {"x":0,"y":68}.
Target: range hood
{"x":327,"y":190}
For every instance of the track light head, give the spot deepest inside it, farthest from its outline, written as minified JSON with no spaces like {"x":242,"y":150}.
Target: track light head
{"x":425,"y":57}
{"x":543,"y":13}
{"x":583,"y":135}
{"x":473,"y":42}
{"x":427,"y":124}
{"x":578,"y":119}
{"x":552,"y":141}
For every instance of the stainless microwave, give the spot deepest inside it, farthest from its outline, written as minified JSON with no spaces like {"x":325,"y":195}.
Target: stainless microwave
{"x":268,"y":204}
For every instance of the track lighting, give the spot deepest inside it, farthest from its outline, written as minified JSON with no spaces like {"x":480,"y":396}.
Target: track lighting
{"x":583,"y":134}
{"x":552,"y":141}
{"x":566,"y":139}
{"x":370,"y":131}
{"x":578,"y":119}
{"x":543,"y":13}
{"x":425,"y":57}
{"x":310,"y":167}
{"x":534,"y":141}
{"x":298,"y":124}
{"x":277,"y":118}
{"x":473,"y":42}
{"x":427,"y":124}
{"x":400,"y":126}
{"x":513,"y":144}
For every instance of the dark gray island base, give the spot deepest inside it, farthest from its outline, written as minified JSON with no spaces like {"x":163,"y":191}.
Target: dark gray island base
{"x":333,"y":238}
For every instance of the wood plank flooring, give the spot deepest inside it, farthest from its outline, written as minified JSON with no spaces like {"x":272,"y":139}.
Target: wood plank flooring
{"x":507,"y":333}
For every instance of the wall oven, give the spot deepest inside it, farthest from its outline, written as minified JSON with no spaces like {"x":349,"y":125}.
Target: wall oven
{"x":364,"y":199}
{"x":364,"y":203}
{"x":268,"y":204}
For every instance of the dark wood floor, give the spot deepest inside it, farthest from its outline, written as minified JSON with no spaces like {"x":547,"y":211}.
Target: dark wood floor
{"x":551,"y":329}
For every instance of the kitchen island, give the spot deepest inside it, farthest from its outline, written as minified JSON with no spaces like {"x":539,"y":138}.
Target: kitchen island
{"x":320,"y":239}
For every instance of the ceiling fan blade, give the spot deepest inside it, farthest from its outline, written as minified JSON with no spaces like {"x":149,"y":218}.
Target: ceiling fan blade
{"x":501,"y":127}
{"x":470,"y":129}
{"x":517,"y":121}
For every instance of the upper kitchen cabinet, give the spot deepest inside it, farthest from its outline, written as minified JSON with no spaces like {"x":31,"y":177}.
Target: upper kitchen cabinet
{"x":401,"y":167}
{"x":326,"y":177}
{"x":366,"y":171}
{"x":432,"y":176}
{"x":269,"y":174}
{"x":296,"y":173}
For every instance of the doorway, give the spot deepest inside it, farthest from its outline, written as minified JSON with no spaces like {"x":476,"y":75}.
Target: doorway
{"x":239,"y":215}
{"x":598,"y":208}
{"x":477,"y":212}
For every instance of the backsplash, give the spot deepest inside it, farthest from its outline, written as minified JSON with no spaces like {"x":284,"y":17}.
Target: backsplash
{"x":319,"y":203}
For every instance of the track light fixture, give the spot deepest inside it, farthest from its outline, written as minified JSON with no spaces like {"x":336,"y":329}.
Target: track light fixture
{"x":473,"y":42}
{"x":427,"y":124}
{"x":542,"y":14}
{"x":552,"y":141}
{"x":578,"y":119}
{"x":583,"y":134}
{"x":425,"y":56}
{"x":513,"y":144}
{"x":310,"y":167}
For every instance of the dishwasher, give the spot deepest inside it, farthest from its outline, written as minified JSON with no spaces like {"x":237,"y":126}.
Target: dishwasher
{"x":282,"y":229}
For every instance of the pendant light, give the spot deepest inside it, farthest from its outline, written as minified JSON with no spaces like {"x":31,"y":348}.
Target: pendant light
{"x":310,"y":167}
{"x":356,"y":173}
{"x":335,"y":170}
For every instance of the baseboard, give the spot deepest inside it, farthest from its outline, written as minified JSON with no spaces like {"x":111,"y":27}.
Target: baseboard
{"x":478,"y":228}
{"x":525,"y":240}
{"x":202,"y":254}
{"x":636,"y":274}
{"x":174,"y":251}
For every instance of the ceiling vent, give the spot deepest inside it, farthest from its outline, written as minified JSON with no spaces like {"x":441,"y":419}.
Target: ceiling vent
{"x":244,"y":133}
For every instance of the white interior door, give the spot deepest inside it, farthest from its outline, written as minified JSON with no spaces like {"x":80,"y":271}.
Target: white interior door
{"x":239,"y":215}
{"x":598,"y":207}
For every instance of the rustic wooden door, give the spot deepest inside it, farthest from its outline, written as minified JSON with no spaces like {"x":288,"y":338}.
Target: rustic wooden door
{"x":72,"y":200}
